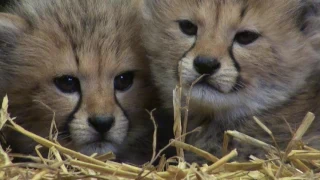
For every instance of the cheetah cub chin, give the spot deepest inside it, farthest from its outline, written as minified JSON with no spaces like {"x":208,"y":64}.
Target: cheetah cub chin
{"x":80,"y":63}
{"x":258,"y":58}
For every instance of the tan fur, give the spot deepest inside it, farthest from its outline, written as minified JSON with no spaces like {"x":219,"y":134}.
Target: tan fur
{"x":279,"y":72}
{"x":44,"y":39}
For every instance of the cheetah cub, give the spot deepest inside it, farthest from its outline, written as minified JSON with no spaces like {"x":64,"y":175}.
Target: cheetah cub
{"x":80,"y":63}
{"x":258,"y":58}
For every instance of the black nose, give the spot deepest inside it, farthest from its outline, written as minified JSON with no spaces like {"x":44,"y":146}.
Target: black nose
{"x":206,"y":65}
{"x":101,"y":124}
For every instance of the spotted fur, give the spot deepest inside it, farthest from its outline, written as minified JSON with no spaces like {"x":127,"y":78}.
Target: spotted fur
{"x":94,"y":41}
{"x":275,"y":78}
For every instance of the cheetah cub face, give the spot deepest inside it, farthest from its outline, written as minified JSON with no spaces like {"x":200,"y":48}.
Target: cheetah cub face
{"x":254,"y":55}
{"x":80,"y":64}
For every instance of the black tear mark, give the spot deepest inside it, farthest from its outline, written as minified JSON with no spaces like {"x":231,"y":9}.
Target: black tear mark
{"x":123,"y":110}
{"x":183,"y":56}
{"x":235,"y":62}
{"x":66,"y":127}
{"x":193,"y":45}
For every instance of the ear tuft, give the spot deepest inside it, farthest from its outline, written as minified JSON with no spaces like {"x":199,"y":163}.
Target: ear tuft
{"x":309,"y":21}
{"x":147,"y":8}
{"x":11,"y":27}
{"x":309,"y":15}
{"x":12,"y":22}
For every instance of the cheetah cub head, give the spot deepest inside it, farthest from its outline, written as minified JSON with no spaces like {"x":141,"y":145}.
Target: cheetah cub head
{"x":254,"y":55}
{"x":80,"y":64}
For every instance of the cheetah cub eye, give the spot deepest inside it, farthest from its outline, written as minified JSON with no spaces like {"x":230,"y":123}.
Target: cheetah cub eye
{"x":188,"y":28}
{"x":246,"y":37}
{"x":123,"y":82}
{"x":67,"y":84}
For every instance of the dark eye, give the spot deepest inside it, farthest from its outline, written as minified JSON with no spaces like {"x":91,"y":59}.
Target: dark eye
{"x":123,"y":81}
{"x":188,"y":27}
{"x":67,"y":84}
{"x":246,"y":37}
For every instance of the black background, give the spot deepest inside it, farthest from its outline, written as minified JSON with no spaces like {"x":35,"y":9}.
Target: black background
{"x":4,"y":3}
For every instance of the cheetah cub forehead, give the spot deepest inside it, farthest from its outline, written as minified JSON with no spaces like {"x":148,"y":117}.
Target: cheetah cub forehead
{"x":254,"y":55}
{"x":80,"y":63}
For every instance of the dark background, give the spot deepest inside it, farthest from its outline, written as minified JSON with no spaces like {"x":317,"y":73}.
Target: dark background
{"x":4,"y":3}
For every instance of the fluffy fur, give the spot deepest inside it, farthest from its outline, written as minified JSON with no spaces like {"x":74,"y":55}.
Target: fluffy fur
{"x":94,"y":41}
{"x":275,"y":78}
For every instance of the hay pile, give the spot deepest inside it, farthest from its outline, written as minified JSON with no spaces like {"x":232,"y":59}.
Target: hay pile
{"x":297,"y":162}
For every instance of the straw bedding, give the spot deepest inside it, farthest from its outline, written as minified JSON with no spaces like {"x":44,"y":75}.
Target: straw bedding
{"x":296,"y":162}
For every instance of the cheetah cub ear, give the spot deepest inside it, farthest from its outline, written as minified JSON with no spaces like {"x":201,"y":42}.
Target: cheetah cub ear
{"x":309,"y":21}
{"x":10,"y":27}
{"x":309,"y":15}
{"x":149,"y":7}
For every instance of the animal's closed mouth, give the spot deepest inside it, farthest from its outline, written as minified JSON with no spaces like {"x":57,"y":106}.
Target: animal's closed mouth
{"x":204,"y":83}
{"x":100,"y":143}
{"x":102,"y":139}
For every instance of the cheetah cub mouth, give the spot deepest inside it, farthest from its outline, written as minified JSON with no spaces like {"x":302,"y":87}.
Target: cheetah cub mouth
{"x":250,"y":53}
{"x":209,"y":74}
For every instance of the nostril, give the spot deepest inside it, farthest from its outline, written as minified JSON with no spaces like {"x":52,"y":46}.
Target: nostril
{"x":206,"y":65}
{"x":101,"y":124}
